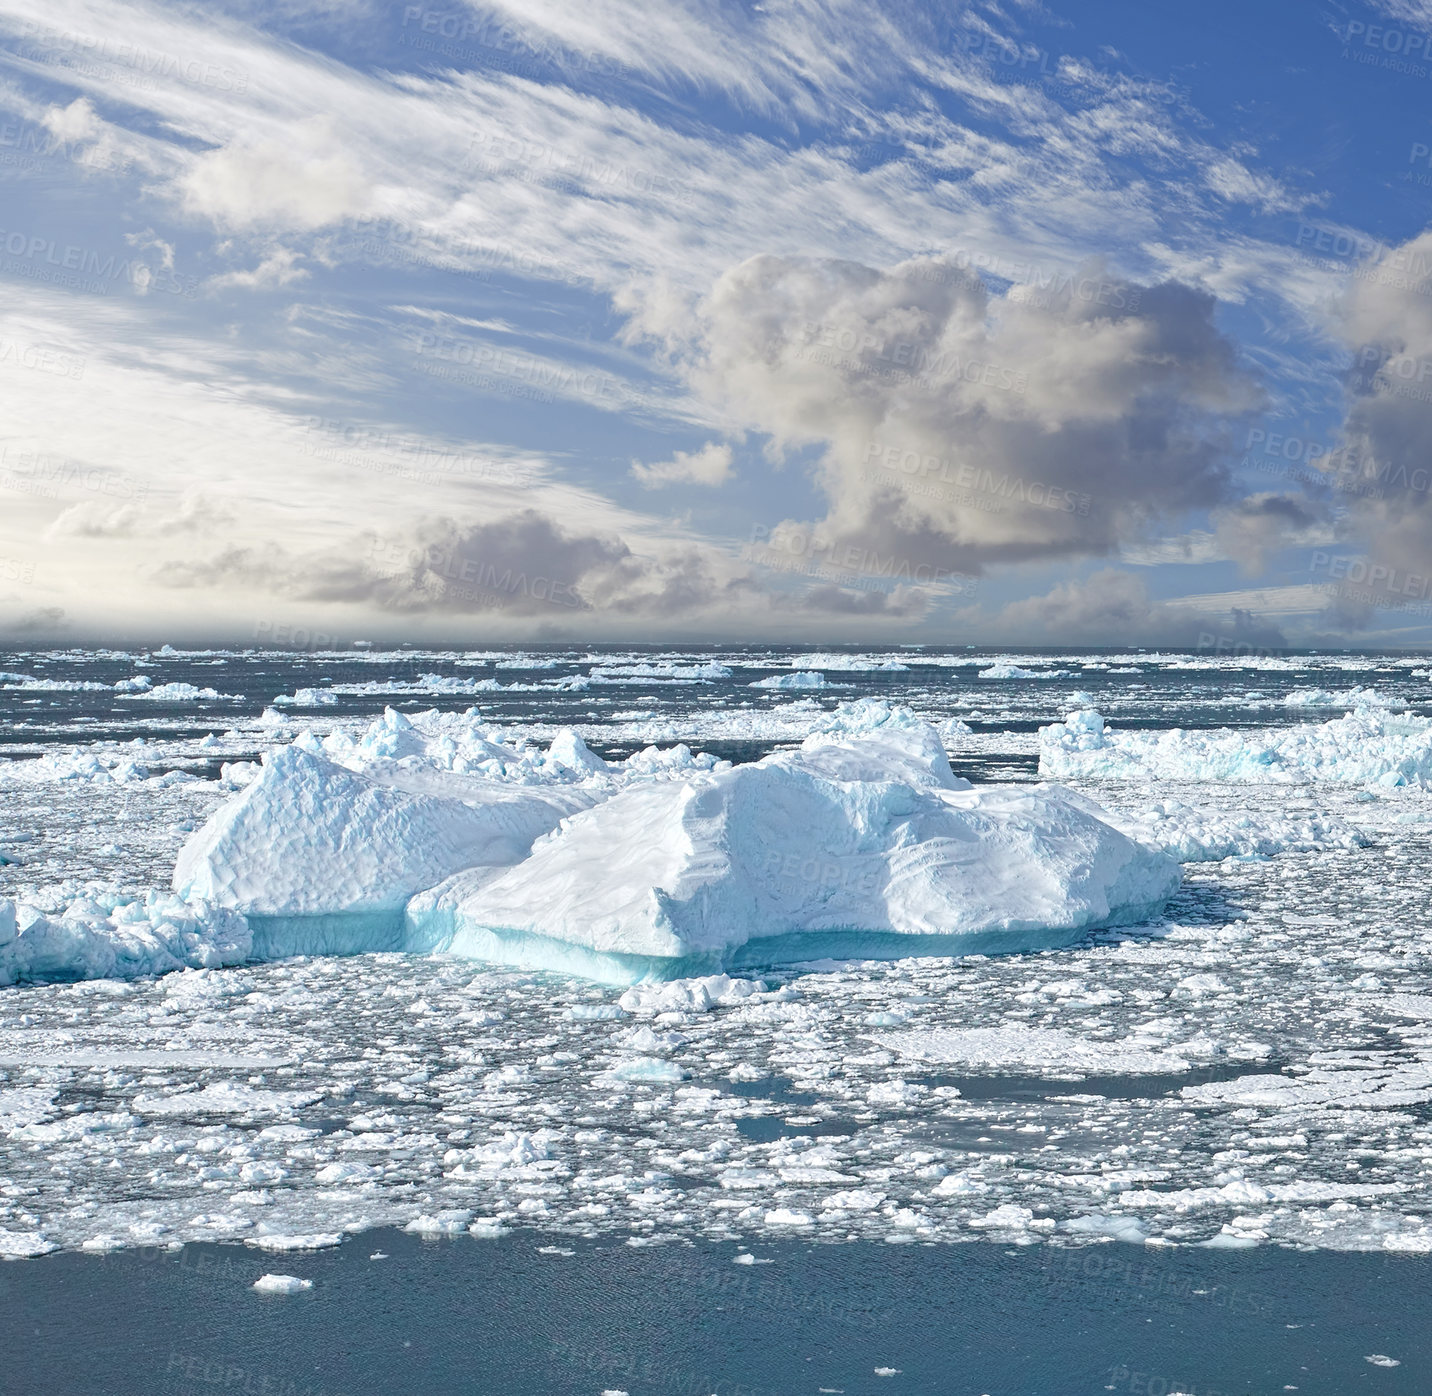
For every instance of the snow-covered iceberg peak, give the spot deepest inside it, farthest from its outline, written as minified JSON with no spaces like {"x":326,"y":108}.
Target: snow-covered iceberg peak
{"x":860,"y":844}
{"x":1370,"y":745}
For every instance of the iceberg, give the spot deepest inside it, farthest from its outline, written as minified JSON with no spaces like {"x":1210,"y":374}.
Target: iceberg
{"x":1002,"y":670}
{"x":803,"y":678}
{"x":1370,"y":745}
{"x":437,"y":834}
{"x":861,"y":844}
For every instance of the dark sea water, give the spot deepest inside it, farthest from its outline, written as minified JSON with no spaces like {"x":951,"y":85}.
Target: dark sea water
{"x":1204,"y":690}
{"x":501,"y":1318}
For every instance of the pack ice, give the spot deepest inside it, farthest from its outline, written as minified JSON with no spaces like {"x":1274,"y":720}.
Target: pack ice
{"x":1370,"y":745}
{"x":439,"y":834}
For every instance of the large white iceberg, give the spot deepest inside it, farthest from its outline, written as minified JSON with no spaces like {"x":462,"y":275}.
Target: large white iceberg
{"x":1370,"y":745}
{"x":861,"y":843}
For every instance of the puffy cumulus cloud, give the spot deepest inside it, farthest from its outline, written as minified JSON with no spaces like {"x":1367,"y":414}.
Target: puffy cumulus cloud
{"x":967,"y":427}
{"x":523,"y":566}
{"x":74,"y":123}
{"x":711,"y":465}
{"x":1252,"y":530}
{"x":1114,"y":607}
{"x":306,"y":180}
{"x":1385,"y":467}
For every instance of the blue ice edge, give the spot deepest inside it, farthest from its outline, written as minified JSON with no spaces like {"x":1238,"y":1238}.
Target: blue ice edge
{"x":366,"y":932}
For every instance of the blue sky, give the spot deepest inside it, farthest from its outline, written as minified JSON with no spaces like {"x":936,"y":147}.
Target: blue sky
{"x":991,"y":323}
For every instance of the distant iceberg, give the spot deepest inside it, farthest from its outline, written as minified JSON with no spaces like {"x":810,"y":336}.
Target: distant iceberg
{"x":802,"y":678}
{"x":1370,"y":745}
{"x":1001,"y":670}
{"x":1342,"y":698}
{"x":436,"y":834}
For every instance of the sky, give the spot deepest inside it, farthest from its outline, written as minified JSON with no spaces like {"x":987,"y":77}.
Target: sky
{"x":812,"y":320}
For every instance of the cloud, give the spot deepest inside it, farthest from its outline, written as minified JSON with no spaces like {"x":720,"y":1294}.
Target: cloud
{"x":1113,"y":607}
{"x":97,"y":519}
{"x":1385,"y":466}
{"x":1253,"y":529}
{"x":584,"y":161}
{"x":74,"y":123}
{"x":523,"y":565}
{"x":304,"y":180}
{"x":92,"y":519}
{"x":903,"y":603}
{"x":967,"y":427}
{"x":42,"y":620}
{"x":1196,"y":546}
{"x":711,"y":465}
{"x":279,"y":268}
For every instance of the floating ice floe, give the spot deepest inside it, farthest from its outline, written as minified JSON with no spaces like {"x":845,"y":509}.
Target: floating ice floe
{"x":1014,"y":671}
{"x":113,"y":937}
{"x":308,"y":698}
{"x":1369,"y":745}
{"x":441,"y":836}
{"x":1342,"y":698}
{"x":281,"y":1284}
{"x":118,"y":765}
{"x":179,"y":693}
{"x":1201,"y":835}
{"x":849,"y":663}
{"x":669,"y":670}
{"x":1030,"y":1048}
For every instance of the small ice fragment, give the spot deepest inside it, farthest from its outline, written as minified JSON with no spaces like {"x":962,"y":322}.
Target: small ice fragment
{"x":448,"y":1223}
{"x":379,"y":1255}
{"x":281,"y":1284}
{"x":1379,"y":1360}
{"x":887,"y":1371}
